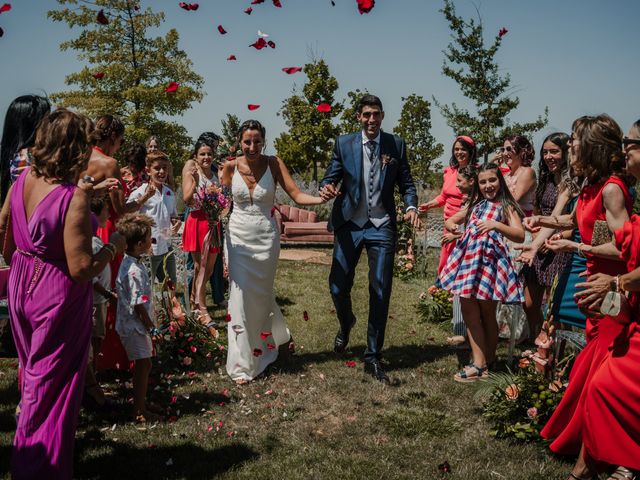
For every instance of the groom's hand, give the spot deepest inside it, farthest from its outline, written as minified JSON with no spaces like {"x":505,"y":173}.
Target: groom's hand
{"x":328,"y":192}
{"x":412,"y":217}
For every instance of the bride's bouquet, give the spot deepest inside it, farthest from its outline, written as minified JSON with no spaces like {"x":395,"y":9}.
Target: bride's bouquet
{"x":215,"y":201}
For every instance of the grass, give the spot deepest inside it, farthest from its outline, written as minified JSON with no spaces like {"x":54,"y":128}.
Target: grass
{"x":313,"y":417}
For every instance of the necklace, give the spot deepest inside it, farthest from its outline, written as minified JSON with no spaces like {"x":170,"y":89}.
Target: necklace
{"x":98,"y":149}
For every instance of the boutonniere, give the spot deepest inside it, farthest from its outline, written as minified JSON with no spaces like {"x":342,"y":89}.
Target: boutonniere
{"x":387,"y":160}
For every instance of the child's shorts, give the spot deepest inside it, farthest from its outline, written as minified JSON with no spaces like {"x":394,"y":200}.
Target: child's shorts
{"x":137,"y":346}
{"x":99,"y":329}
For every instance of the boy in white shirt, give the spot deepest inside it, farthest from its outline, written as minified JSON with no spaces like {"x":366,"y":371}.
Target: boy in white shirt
{"x":161,"y":207}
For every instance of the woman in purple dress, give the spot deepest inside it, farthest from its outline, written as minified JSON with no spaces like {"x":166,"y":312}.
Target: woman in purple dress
{"x":50,"y":293}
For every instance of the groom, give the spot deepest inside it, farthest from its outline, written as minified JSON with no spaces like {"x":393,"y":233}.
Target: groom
{"x":368,"y":164}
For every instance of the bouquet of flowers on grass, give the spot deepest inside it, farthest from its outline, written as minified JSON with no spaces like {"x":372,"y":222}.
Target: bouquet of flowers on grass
{"x":215,"y":201}
{"x":435,"y":305}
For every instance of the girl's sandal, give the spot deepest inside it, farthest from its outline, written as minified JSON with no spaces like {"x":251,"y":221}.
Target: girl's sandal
{"x":573,"y":476}
{"x":622,"y":473}
{"x":463,"y":376}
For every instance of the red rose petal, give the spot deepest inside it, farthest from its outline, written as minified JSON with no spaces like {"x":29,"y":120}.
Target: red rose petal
{"x":221,"y":30}
{"x":503,"y":31}
{"x":257,"y":352}
{"x":5,"y":8}
{"x":174,"y":399}
{"x":101,"y":18}
{"x":98,"y":75}
{"x":273,"y":210}
{"x":172,"y":87}
{"x":271,"y":43}
{"x":291,"y":70}
{"x":271,"y":346}
{"x":305,"y":315}
{"x":194,"y":349}
{"x":248,"y":10}
{"x":252,"y":106}
{"x":257,"y":2}
{"x":184,"y":6}
{"x":365,"y":6}
{"x":144,"y":298}
{"x":265,"y":335}
{"x":324,"y":108}
{"x":231,"y":57}
{"x":227,"y":317}
{"x":277,"y":3}
{"x":350,"y":363}
{"x":194,"y":6}
{"x":173,"y":419}
{"x":259,"y":44}
{"x":225,"y":392}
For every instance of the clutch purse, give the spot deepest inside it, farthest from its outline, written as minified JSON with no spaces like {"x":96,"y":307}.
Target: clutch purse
{"x":601,"y":233}
{"x":611,"y":304}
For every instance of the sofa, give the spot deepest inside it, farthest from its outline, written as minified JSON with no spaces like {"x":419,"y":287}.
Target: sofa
{"x":301,"y":226}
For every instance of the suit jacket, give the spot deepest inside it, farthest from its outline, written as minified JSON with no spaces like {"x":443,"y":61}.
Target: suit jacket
{"x":346,"y":168}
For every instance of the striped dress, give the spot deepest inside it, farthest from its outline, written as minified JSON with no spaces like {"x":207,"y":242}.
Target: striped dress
{"x":480,"y":266}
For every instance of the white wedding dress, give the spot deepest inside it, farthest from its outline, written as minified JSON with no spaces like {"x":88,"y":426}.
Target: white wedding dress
{"x":257,"y":326}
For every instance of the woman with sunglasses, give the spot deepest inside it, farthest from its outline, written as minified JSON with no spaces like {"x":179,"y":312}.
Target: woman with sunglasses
{"x":604,"y":205}
{"x":521,"y":179}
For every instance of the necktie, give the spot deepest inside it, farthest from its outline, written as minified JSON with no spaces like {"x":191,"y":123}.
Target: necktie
{"x":371,"y":147}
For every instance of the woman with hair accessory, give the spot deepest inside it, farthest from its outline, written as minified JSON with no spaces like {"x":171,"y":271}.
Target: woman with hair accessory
{"x":463,"y":154}
{"x":50,"y":293}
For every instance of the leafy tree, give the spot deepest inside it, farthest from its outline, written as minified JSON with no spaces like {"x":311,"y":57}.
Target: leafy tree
{"x":474,"y":67}
{"x":348,"y":121}
{"x":135,"y":68}
{"x":308,"y":142}
{"x":422,"y":149}
{"x":230,"y":128}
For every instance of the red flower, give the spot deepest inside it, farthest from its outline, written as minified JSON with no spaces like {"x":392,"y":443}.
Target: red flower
{"x":365,"y":6}
{"x":271,"y":43}
{"x":221,"y":30}
{"x":257,"y":352}
{"x":101,"y":18}
{"x":172,"y":87}
{"x":231,"y":57}
{"x":350,"y":363}
{"x":5,"y":8}
{"x":291,"y":70}
{"x":98,"y":75}
{"x":277,"y":3}
{"x":253,"y":106}
{"x":265,"y":335}
{"x":503,"y":31}
{"x":324,"y":108}
{"x":248,"y":10}
{"x":259,"y":44}
{"x":305,"y":315}
{"x":227,"y":317}
{"x":271,"y":346}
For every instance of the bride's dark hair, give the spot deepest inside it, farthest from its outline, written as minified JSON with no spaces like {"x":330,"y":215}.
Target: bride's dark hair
{"x":251,"y":125}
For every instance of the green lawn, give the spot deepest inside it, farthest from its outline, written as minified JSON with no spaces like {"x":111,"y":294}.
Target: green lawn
{"x":313,"y":417}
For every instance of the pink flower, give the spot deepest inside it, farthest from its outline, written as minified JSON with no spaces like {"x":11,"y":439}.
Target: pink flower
{"x":532,"y":412}
{"x":408,"y":266}
{"x":187,"y":361}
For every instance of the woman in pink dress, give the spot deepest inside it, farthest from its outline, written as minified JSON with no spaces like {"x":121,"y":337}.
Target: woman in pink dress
{"x":50,"y":293}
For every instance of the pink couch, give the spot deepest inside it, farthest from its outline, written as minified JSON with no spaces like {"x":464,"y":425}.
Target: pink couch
{"x":301,"y":226}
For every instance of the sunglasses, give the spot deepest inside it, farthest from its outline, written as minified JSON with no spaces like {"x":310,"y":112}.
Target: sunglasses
{"x":506,"y":149}
{"x":630,"y":141}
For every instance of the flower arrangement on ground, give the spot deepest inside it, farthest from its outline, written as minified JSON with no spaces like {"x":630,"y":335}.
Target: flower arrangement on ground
{"x":435,"y":305}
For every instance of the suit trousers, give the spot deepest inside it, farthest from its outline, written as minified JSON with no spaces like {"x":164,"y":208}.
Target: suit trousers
{"x":380,"y":243}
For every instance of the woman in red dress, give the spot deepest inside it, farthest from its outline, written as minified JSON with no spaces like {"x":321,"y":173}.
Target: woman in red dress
{"x":604,"y":204}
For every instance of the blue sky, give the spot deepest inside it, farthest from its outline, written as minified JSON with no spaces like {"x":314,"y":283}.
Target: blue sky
{"x":575,"y":56}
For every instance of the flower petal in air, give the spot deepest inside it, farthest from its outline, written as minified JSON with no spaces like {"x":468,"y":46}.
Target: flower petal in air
{"x":276,"y":3}
{"x":324,"y":108}
{"x":101,"y":18}
{"x":172,"y":87}
{"x":265,"y":335}
{"x":194,"y":6}
{"x":231,"y":57}
{"x":253,"y":106}
{"x":257,"y":2}
{"x":221,"y":30}
{"x":257,"y":352}
{"x":271,"y":43}
{"x":291,"y":70}
{"x":5,"y":8}
{"x":365,"y":6}
{"x":271,"y":346}
{"x":503,"y":31}
{"x":259,"y":44}
{"x":248,"y":10}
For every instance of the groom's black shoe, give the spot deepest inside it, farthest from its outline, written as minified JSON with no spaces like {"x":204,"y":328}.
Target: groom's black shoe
{"x":374,"y":369}
{"x":342,"y":338}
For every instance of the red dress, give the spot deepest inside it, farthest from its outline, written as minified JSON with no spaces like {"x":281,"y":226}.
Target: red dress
{"x":195,"y":229}
{"x":611,"y":432}
{"x":451,"y":198}
{"x":567,"y":422}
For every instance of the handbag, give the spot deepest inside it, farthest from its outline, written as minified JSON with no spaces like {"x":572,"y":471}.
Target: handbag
{"x":601,"y":233}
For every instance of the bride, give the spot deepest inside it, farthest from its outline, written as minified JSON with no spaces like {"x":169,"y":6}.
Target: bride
{"x":256,"y":327}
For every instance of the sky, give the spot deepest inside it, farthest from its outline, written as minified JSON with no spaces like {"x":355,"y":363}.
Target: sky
{"x":576,"y":57}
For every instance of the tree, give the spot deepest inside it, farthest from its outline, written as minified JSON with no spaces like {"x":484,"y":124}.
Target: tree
{"x":348,"y":121}
{"x":230,"y":128}
{"x":474,"y":67}
{"x":132,"y":69}
{"x":422,"y":149}
{"x":309,"y":140}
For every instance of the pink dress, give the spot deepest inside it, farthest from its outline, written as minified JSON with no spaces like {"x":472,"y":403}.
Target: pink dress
{"x":51,"y":322}
{"x":451,"y":198}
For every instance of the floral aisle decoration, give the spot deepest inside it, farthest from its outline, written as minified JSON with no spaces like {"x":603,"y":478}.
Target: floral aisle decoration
{"x":435,"y":305}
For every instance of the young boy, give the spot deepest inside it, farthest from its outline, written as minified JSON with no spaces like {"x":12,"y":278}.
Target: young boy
{"x":133,"y":322}
{"x":161,"y":207}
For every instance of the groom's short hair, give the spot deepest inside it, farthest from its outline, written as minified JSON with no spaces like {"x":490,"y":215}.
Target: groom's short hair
{"x":369,"y":101}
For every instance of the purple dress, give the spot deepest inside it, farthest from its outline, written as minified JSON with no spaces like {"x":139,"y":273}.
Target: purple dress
{"x":51,"y":322}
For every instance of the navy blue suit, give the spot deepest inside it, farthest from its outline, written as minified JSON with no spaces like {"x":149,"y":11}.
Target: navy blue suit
{"x":346,"y":168}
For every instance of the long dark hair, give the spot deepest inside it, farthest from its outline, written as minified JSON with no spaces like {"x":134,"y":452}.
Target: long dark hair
{"x":560,"y":140}
{"x":20,"y":124}
{"x":503,"y":195}
{"x":470,"y":148}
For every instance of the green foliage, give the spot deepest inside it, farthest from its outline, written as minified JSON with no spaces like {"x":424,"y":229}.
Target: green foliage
{"x":474,"y":67}
{"x":519,"y":405}
{"x":422,"y":149}
{"x":137,"y":68}
{"x":230,"y":128}
{"x":309,"y":140}
{"x":348,"y":121}
{"x":435,"y":305}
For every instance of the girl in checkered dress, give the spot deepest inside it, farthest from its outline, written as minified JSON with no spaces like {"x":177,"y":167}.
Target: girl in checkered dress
{"x":480,"y":269}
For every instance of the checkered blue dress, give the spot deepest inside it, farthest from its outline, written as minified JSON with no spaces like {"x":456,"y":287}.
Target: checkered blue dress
{"x":480,"y":265}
